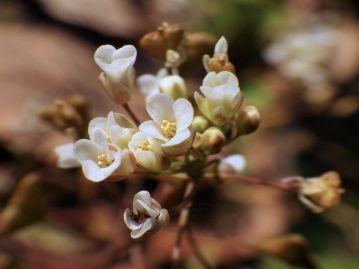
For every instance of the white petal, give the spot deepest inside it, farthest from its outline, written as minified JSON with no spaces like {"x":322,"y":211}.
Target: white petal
{"x":227,"y":78}
{"x":144,"y":196}
{"x":183,"y":112}
{"x":130,"y":223}
{"x":149,"y":224}
{"x":96,"y":123}
{"x":236,"y":161}
{"x":221,"y":46}
{"x":125,"y":52}
{"x":142,"y":207}
{"x":114,"y":118}
{"x":152,"y":129}
{"x":210,"y":79}
{"x":159,"y":107}
{"x":85,"y":149}
{"x":103,"y":55}
{"x":148,"y":85}
{"x":66,"y":157}
{"x":148,"y":160}
{"x":121,"y":136}
{"x":178,"y":138}
{"x":100,"y":138}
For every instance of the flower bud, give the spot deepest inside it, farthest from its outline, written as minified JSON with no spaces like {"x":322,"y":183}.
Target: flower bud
{"x":174,"y":86}
{"x":118,"y":76}
{"x":247,"y":120}
{"x":213,"y":139}
{"x":146,"y":216}
{"x":166,"y":37}
{"x":322,"y":192}
{"x":200,"y":124}
{"x":197,"y":45}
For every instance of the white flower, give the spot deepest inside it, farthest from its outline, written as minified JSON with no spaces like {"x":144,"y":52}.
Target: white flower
{"x":99,"y":159}
{"x":147,"y":151}
{"x":66,"y":157}
{"x":171,"y":122}
{"x":146,"y":216}
{"x":235,"y":162}
{"x":149,"y":84}
{"x":118,"y":76}
{"x":222,"y":97}
{"x":118,"y":128}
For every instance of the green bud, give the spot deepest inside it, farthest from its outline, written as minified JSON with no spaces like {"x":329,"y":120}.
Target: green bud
{"x":200,"y":124}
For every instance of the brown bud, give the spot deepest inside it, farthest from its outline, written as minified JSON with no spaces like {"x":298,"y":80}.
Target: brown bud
{"x":166,"y":37}
{"x":292,"y":249}
{"x":172,"y":34}
{"x":220,"y":63}
{"x":324,"y":191}
{"x":154,"y":45}
{"x":68,"y":113}
{"x":213,"y":139}
{"x":247,"y":120}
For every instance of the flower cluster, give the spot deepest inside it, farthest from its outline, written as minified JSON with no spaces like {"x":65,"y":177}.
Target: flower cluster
{"x":117,"y":147}
{"x":183,"y":132}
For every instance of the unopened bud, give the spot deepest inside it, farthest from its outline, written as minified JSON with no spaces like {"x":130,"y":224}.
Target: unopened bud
{"x":173,"y":86}
{"x":213,"y":139}
{"x":200,"y":124}
{"x":247,"y":120}
{"x":173,"y":59}
{"x":166,"y":37}
{"x":68,"y":113}
{"x":218,"y":64}
{"x":322,"y":192}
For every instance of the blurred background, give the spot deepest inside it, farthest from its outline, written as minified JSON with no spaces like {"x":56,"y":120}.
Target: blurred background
{"x":297,"y":61}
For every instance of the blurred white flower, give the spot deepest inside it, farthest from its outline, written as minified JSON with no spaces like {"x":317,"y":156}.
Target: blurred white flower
{"x":146,"y":216}
{"x":304,"y":53}
{"x":147,"y":151}
{"x":99,"y":159}
{"x":149,"y":84}
{"x":117,"y":127}
{"x":118,"y":76}
{"x":171,"y":123}
{"x":235,"y":162}
{"x":66,"y":157}
{"x":222,"y":97}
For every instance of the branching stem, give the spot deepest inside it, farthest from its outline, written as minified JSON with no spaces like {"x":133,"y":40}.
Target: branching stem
{"x":131,"y":114}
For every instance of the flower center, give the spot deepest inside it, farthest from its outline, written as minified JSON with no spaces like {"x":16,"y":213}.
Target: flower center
{"x":146,"y":146}
{"x":103,"y":161}
{"x":169,"y":128}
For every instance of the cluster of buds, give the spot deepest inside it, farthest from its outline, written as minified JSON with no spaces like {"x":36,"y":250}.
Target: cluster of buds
{"x":66,"y":114}
{"x":180,"y":136}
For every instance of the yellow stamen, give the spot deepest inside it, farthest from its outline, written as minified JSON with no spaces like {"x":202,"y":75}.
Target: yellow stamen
{"x":169,"y":128}
{"x":103,"y":161}
{"x":146,"y":146}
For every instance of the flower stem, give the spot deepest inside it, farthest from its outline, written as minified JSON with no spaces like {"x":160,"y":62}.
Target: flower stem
{"x":182,"y":223}
{"x":131,"y":114}
{"x":290,"y":186}
{"x":197,"y":252}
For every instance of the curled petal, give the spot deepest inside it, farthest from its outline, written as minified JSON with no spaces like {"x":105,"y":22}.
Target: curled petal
{"x":130,"y":223}
{"x":66,"y":157}
{"x":148,"y":225}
